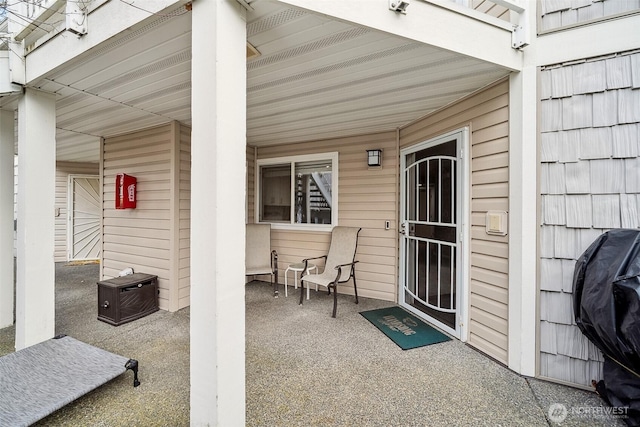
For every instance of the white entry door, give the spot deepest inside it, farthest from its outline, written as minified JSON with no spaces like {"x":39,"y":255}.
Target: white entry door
{"x":430,"y":242}
{"x":84,"y":218}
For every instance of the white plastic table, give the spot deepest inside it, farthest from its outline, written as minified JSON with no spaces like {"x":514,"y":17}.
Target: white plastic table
{"x":296,"y":268}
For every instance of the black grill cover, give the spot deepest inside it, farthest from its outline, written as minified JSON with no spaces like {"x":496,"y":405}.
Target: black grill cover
{"x":606,"y":289}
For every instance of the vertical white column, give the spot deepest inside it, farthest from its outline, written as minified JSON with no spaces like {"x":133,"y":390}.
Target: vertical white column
{"x":6,"y":217}
{"x":218,"y":144}
{"x":523,"y":221}
{"x":35,"y":287}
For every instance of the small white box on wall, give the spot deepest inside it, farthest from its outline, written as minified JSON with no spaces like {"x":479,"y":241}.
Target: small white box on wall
{"x":496,"y":223}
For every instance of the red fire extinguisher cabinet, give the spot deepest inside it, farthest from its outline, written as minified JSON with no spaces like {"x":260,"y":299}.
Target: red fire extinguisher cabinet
{"x":125,"y":191}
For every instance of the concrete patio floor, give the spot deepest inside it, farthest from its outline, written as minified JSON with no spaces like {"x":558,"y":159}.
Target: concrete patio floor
{"x":304,"y":368}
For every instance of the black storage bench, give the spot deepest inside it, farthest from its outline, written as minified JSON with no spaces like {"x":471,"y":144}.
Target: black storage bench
{"x":127,"y":298}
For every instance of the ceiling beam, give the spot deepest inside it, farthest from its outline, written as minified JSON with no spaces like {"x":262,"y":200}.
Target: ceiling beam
{"x":453,"y":28}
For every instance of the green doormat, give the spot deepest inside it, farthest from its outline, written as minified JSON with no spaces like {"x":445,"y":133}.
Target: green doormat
{"x":404,"y":328}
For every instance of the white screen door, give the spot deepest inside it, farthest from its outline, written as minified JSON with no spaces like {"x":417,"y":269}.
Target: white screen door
{"x":84,"y":218}
{"x":431,"y":230}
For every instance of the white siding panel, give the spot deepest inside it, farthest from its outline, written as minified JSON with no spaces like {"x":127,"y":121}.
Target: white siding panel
{"x":612,"y":7}
{"x":625,"y":141}
{"x":556,"y":183}
{"x":544,"y":178}
{"x":629,"y":211}
{"x":568,"y":268}
{"x":545,"y":84}
{"x":568,"y":17}
{"x":576,"y":4}
{"x":556,"y":307}
{"x":635,"y":70}
{"x":577,"y":178}
{"x":618,"y":72}
{"x":561,"y":82}
{"x":632,"y":175}
{"x":549,"y":6}
{"x":589,"y":77}
{"x":607,"y":176}
{"x":577,"y":112}
{"x":547,"y":249}
{"x":628,"y":106}
{"x":548,"y":338}
{"x":549,"y":147}
{"x":595,"y":143}
{"x":578,"y":211}
{"x":553,"y":210}
{"x":567,"y":243}
{"x":551,"y":110}
{"x":569,"y":146}
{"x":606,"y":211}
{"x":587,"y":237}
{"x":571,"y":342}
{"x":551,"y":275}
{"x":551,"y":21}
{"x":605,"y":108}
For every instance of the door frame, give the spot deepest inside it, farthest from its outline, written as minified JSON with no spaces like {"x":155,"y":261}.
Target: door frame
{"x":463,"y":218}
{"x":70,"y":218}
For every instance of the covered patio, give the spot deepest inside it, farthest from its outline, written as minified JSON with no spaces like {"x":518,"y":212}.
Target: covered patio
{"x":231,"y":77}
{"x":303,"y":369}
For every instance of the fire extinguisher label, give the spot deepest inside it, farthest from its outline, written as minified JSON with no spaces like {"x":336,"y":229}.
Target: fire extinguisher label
{"x":131,"y":192}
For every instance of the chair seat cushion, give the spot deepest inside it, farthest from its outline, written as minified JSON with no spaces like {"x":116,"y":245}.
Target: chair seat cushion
{"x":322,"y":279}
{"x":258,"y":270}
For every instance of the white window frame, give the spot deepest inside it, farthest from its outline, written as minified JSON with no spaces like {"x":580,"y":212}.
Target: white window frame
{"x":292,"y":160}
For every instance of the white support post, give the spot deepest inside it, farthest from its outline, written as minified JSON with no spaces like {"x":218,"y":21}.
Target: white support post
{"x":6,"y":217}
{"x":218,"y":144}
{"x":35,"y":287}
{"x":523,"y":222}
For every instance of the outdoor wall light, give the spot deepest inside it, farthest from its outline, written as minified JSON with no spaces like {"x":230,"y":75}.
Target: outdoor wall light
{"x":399,"y":6}
{"x":374,"y":157}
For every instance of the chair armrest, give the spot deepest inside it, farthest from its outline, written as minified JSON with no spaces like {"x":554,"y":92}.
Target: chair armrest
{"x":318,"y":257}
{"x":339,"y":270}
{"x":306,"y":262}
{"x":344,"y":265}
{"x":274,"y":264}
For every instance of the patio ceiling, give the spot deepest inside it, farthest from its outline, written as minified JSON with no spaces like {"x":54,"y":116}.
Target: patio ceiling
{"x":314,"y":78}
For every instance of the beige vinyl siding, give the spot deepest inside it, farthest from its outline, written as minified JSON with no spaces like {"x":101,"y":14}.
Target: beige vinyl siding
{"x":63,"y":170}
{"x":486,"y":114}
{"x":367,"y":197}
{"x":148,"y":238}
{"x":184,"y":224}
{"x":251,"y":182}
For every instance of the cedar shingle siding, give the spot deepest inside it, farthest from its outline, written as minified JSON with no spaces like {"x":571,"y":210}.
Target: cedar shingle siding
{"x":556,"y":14}
{"x":590,"y":182}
